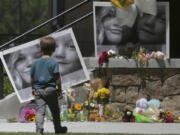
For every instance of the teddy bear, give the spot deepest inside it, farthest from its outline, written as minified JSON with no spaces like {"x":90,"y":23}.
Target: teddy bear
{"x":141,"y":105}
{"x":94,"y":115}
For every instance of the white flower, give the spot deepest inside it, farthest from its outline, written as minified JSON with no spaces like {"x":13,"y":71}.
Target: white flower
{"x":92,"y":105}
{"x":159,"y":55}
{"x":121,"y":57}
{"x":110,"y":52}
{"x":153,"y":55}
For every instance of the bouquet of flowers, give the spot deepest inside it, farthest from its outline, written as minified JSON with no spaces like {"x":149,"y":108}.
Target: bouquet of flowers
{"x":102,"y":95}
{"x":169,"y":116}
{"x":30,"y":115}
{"x":143,"y":55}
{"x":78,"y":112}
{"x":104,"y":57}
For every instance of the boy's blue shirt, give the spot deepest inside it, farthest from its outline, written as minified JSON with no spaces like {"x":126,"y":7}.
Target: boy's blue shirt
{"x":43,"y":71}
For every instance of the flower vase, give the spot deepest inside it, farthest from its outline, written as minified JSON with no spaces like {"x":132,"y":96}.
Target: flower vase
{"x":86,"y":114}
{"x":82,"y":117}
{"x":101,"y":109}
{"x":64,"y":112}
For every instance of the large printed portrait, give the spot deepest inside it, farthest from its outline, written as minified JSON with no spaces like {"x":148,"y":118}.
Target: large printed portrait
{"x":18,"y":60}
{"x":148,"y":31}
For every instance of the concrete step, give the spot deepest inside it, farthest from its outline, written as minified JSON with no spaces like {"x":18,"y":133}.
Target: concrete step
{"x":98,"y":127}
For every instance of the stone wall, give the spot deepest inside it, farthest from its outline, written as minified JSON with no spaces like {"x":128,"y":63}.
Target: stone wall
{"x":128,"y":85}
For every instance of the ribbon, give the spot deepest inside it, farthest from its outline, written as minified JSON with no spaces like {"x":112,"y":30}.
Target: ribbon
{"x":122,"y":3}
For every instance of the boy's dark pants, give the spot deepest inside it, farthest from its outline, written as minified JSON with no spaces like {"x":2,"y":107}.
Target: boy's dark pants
{"x":43,"y":97}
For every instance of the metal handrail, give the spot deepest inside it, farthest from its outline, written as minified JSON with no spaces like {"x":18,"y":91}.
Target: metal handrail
{"x":41,"y":25}
{"x":81,"y":18}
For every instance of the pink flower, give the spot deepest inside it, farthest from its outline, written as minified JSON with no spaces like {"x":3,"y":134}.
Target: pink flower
{"x":148,"y":56}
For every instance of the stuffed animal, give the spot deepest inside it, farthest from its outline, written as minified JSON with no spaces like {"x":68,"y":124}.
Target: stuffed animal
{"x":94,"y":115}
{"x":154,"y":102}
{"x":128,"y":116}
{"x":141,"y":105}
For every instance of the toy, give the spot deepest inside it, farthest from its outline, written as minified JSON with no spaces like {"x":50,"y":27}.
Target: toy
{"x":128,"y":115}
{"x":94,"y":115}
{"x":154,"y":102}
{"x":141,"y":105}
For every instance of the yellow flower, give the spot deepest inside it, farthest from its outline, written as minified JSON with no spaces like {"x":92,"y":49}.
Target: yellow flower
{"x":77,"y":107}
{"x":142,"y":56}
{"x":70,"y":111}
{"x":103,"y":93}
{"x":33,"y":119}
{"x":107,"y":91}
{"x":168,"y":113}
{"x":96,"y":94}
{"x":122,"y":3}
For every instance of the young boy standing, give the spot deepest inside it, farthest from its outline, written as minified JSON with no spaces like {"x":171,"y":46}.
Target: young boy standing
{"x":44,"y":79}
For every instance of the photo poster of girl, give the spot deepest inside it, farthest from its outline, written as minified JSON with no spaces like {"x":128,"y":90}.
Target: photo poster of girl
{"x":18,"y":60}
{"x":148,"y":31}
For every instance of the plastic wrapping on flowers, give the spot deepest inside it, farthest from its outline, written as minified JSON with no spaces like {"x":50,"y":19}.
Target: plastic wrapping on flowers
{"x":28,"y":113}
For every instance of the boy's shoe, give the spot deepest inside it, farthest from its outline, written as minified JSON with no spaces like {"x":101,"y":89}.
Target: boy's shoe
{"x":39,"y":131}
{"x":61,"y":130}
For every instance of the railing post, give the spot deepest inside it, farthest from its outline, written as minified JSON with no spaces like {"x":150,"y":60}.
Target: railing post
{"x":1,"y":81}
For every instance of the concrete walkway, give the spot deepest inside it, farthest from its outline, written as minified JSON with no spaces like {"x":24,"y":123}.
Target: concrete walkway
{"x":98,"y":127}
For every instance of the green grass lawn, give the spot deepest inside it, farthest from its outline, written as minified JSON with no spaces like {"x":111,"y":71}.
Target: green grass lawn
{"x":63,"y":134}
{"x":2,"y":133}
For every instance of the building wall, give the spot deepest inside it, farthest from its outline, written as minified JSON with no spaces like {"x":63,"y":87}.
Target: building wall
{"x":83,"y":30}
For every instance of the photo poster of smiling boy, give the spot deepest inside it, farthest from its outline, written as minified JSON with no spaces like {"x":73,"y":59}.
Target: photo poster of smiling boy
{"x":18,"y":60}
{"x":114,"y":30}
